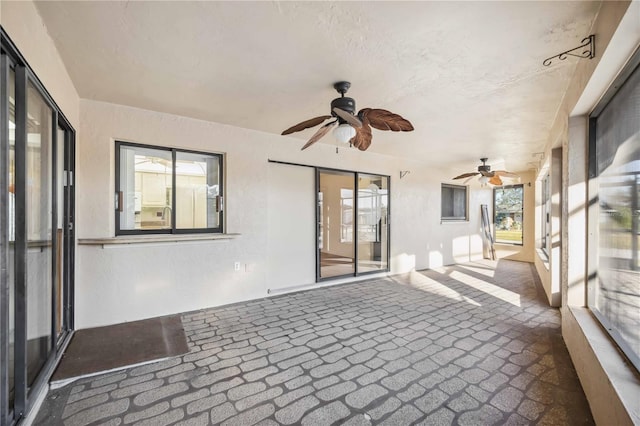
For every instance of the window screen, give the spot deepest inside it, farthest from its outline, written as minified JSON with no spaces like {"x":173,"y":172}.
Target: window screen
{"x":614,"y":296}
{"x":454,"y":202}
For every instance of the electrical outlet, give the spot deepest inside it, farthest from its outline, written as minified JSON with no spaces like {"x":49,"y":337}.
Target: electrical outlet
{"x":236,"y":266}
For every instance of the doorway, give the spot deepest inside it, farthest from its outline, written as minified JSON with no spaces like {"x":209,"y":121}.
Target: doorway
{"x":36,"y":234}
{"x":352,"y":223}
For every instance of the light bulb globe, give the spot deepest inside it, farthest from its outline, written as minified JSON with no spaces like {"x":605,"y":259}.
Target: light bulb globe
{"x":344,"y":132}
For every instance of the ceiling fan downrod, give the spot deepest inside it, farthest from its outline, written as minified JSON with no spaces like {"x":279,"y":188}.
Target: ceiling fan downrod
{"x":343,"y":102}
{"x":342,"y":87}
{"x":484,"y":167}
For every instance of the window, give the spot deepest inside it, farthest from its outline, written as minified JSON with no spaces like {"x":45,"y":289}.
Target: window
{"x":614,"y":170}
{"x":507,"y":213}
{"x":146,"y":201}
{"x":454,"y":202}
{"x":545,"y":229}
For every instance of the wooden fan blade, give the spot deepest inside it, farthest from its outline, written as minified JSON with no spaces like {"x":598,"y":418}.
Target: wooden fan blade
{"x":382,"y":119}
{"x":466,"y":175}
{"x":362,"y":139}
{"x":319,"y":134}
{"x":505,"y":173}
{"x":495,"y":180}
{"x":312,"y":122}
{"x":349,"y":118}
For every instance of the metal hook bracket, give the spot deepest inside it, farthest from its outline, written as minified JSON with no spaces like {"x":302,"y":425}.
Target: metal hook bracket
{"x":588,"y":47}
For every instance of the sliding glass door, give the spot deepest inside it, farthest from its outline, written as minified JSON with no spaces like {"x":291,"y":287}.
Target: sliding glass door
{"x":352,"y":223}
{"x":36,"y":234}
{"x":373,"y":226}
{"x":336,"y":249}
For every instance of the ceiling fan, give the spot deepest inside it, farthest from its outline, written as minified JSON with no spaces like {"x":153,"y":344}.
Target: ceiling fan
{"x":486,"y":175}
{"x":354,"y":129}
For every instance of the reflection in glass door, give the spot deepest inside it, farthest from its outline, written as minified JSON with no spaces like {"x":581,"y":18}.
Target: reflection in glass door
{"x":335,"y":223}
{"x":39,"y":231}
{"x":373,"y":235}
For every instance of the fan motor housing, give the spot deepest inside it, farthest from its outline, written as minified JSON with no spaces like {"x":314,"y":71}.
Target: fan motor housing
{"x":345,"y":104}
{"x":484,"y":168}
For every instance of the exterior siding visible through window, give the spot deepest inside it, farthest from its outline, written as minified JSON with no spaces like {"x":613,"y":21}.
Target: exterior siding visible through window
{"x":164,"y":190}
{"x":453,"y":202}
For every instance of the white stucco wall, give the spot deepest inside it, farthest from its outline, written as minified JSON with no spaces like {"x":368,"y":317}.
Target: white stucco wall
{"x":129,"y":282}
{"x":23,"y":24}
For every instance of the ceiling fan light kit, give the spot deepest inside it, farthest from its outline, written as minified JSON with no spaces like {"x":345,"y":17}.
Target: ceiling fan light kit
{"x":351,"y":128}
{"x":344,"y":132}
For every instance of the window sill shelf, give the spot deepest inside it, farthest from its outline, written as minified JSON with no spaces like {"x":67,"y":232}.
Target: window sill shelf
{"x":613,"y":388}
{"x":154,"y":239}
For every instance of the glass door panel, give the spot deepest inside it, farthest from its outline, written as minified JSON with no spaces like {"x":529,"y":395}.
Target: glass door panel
{"x":373,"y":205}
{"x":39,"y":207}
{"x":336,"y":223}
{"x":11,"y":234}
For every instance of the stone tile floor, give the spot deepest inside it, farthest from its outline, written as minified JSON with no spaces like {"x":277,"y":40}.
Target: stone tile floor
{"x":471,"y":344}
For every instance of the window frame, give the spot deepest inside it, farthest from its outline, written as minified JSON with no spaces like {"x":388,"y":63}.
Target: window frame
{"x":464,"y":218}
{"x":545,"y":211}
{"x":593,"y":218}
{"x":495,"y":212}
{"x":173,"y":229}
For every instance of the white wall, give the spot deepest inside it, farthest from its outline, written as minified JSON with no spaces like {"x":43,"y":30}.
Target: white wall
{"x":129,"y":282}
{"x":23,"y":24}
{"x":291,"y":241}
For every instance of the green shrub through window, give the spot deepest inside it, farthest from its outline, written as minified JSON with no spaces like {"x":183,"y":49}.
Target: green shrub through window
{"x":508,"y":213}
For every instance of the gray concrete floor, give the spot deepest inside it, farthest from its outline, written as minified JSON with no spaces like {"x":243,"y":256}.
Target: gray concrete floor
{"x":471,"y":344}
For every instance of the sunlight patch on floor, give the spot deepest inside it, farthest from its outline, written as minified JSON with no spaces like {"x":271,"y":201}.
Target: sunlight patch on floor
{"x":419,"y":281}
{"x":479,"y":269}
{"x":495,"y":291}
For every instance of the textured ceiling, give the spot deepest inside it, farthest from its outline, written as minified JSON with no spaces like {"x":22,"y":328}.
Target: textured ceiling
{"x":468,"y":75}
